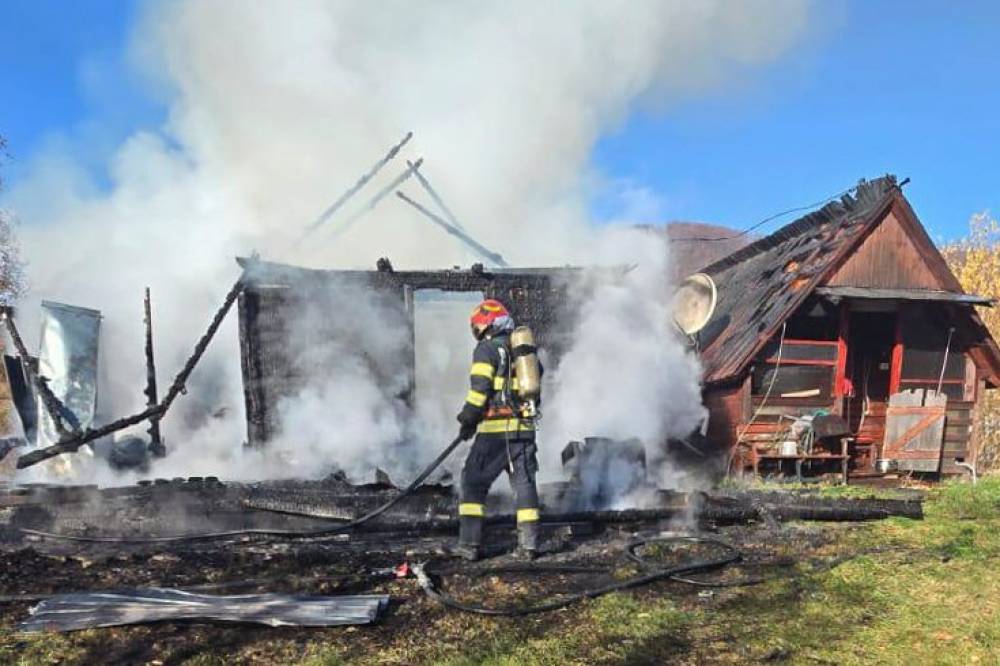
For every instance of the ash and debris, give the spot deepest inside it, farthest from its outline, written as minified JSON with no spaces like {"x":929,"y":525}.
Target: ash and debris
{"x":358,"y":563}
{"x":340,"y":567}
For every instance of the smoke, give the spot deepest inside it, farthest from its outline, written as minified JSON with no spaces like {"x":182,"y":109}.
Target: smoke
{"x":627,"y":373}
{"x":346,"y":345}
{"x":273,"y":110}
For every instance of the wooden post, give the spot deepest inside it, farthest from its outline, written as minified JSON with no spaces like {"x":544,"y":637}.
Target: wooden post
{"x":840,"y":373}
{"x":976,"y":431}
{"x":155,"y":442}
{"x":896,"y":367}
{"x":746,"y":406}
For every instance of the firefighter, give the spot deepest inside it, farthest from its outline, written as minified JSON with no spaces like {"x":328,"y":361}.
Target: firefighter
{"x":504,"y":438}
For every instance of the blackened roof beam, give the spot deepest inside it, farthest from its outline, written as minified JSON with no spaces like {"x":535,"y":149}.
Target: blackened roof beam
{"x":484,"y":252}
{"x":354,"y":189}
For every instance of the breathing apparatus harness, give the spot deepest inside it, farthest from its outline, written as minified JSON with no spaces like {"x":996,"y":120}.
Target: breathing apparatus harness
{"x":519,"y":363}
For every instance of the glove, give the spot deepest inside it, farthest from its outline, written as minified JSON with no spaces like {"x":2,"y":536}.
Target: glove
{"x":466,"y":431}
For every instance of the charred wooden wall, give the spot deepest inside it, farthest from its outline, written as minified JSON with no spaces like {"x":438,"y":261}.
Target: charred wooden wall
{"x":277,"y":295}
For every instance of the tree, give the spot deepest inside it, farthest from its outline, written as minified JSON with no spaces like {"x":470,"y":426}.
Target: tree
{"x":12,"y":276}
{"x":975,"y":260}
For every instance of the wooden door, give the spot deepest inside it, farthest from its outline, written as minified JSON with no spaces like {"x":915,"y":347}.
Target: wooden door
{"x":914,"y":429}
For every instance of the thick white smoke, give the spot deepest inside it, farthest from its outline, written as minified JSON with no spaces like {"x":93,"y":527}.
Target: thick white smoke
{"x":274,"y":108}
{"x":349,"y":414}
{"x":627,"y":372}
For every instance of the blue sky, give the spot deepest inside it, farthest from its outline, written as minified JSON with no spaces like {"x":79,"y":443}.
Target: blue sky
{"x":65,"y":78}
{"x":911,"y":88}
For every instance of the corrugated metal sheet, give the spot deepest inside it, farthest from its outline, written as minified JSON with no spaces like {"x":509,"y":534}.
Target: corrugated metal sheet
{"x":67,"y":358}
{"x":86,"y":610}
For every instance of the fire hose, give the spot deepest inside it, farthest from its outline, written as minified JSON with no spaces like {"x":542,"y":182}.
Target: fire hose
{"x":289,"y":534}
{"x":729,"y":555}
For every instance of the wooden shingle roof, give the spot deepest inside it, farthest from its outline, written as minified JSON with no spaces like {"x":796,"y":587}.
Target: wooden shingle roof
{"x":763,"y":283}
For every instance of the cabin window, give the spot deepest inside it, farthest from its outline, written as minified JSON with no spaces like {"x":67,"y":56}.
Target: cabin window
{"x":802,"y":369}
{"x":815,"y":320}
{"x":925,"y":337}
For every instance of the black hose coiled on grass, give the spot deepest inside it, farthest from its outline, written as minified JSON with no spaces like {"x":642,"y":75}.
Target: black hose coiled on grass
{"x":730,"y":556}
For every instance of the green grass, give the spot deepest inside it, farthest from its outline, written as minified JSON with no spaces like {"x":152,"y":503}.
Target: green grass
{"x":38,"y":649}
{"x":820,"y":489}
{"x":890,"y":592}
{"x":926,"y":592}
{"x":612,"y":629}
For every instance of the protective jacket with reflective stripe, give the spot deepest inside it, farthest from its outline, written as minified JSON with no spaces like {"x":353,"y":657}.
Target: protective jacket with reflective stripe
{"x":489,"y":402}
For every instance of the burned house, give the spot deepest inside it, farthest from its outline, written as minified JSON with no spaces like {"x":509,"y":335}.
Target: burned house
{"x":275,"y":296}
{"x":841,"y":343}
{"x":849,"y":312}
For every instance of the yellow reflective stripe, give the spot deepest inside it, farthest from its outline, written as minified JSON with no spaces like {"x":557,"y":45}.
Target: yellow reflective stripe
{"x":475,"y":398}
{"x":482,"y":370}
{"x":472,"y":509}
{"x":499,"y":382}
{"x":527,"y":515}
{"x":505,"y":425}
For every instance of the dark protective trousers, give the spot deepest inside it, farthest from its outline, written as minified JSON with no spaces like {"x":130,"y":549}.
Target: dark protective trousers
{"x":486,"y":460}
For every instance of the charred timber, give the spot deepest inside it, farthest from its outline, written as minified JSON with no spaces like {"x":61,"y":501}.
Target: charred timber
{"x":155,"y":441}
{"x":436,"y":197}
{"x":74,"y":442}
{"x":178,"y":385}
{"x":706,"y":509}
{"x":381,"y":194}
{"x":354,"y":189}
{"x":481,"y":250}
{"x":235,"y":523}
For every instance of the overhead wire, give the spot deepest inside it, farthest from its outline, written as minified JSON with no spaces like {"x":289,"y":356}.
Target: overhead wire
{"x":769,"y":218}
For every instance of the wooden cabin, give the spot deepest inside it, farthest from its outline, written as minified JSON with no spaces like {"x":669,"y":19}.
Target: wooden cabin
{"x":849,"y":312}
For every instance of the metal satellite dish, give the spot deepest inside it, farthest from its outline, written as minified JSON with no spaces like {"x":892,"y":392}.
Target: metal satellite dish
{"x":694,"y":303}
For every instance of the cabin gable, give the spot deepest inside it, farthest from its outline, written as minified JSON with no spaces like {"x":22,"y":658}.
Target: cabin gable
{"x":888,"y":258}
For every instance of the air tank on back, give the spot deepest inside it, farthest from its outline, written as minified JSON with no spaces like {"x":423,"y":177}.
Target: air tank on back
{"x":526,"y":369}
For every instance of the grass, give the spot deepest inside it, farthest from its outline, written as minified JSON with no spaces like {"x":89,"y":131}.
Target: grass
{"x":921,"y":592}
{"x":821,"y":489}
{"x":612,"y":629}
{"x":890,"y":592}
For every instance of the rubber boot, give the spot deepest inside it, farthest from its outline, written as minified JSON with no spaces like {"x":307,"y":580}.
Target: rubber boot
{"x":527,"y":540}
{"x":470,"y":538}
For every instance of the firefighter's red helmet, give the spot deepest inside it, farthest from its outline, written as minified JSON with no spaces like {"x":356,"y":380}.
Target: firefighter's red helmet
{"x":490,"y":315}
